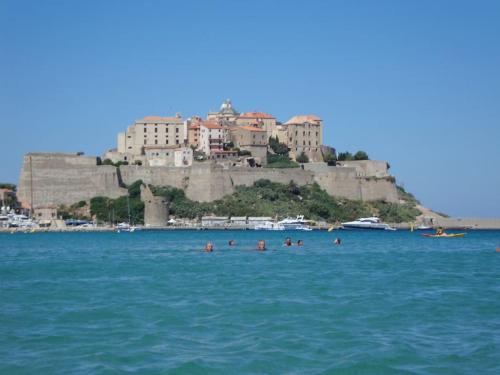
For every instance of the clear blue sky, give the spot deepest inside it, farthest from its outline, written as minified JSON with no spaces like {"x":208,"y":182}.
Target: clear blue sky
{"x":416,"y":83}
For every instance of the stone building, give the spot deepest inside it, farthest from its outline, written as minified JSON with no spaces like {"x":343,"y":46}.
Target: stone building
{"x":252,"y":139}
{"x":227,"y":115}
{"x":302,"y":133}
{"x":168,"y":156}
{"x":152,"y":131}
{"x":258,"y":119}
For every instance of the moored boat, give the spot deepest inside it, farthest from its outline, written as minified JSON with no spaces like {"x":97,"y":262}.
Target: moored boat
{"x":299,"y":223}
{"x":370,"y":223}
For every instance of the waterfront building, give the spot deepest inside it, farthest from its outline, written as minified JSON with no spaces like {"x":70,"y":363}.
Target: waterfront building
{"x":214,"y":221}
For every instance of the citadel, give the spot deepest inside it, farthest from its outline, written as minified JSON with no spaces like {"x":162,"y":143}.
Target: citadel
{"x":206,"y":157}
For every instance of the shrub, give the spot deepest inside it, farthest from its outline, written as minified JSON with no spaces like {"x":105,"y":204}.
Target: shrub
{"x":280,"y":161}
{"x":302,"y":158}
{"x":277,"y":147}
{"x":329,"y":158}
{"x":361,"y":155}
{"x":345,"y":156}
{"x":244,"y":153}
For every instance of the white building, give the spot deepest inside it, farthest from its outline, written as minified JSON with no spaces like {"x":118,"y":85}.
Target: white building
{"x":168,"y":156}
{"x":212,"y":137}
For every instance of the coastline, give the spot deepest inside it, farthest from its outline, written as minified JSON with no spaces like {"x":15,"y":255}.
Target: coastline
{"x":465,"y":224}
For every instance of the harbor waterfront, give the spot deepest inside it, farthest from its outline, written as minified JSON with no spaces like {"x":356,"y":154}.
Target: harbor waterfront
{"x":154,"y":302}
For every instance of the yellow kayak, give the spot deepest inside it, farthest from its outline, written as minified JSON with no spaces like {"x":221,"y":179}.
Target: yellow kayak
{"x":451,"y":235}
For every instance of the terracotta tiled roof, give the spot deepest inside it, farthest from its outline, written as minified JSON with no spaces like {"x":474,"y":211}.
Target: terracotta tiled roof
{"x":300,"y":119}
{"x":252,"y":128}
{"x":256,"y":115}
{"x":194,"y":126}
{"x":211,"y":125}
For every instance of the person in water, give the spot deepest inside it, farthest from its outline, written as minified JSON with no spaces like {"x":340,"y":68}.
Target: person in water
{"x":232,"y":243}
{"x":261,"y":245}
{"x":337,"y":241}
{"x":288,"y":241}
{"x":440,"y":232}
{"x":300,"y":243}
{"x":209,"y":247}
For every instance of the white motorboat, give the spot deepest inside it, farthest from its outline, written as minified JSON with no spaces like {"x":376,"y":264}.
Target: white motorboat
{"x":372,"y":223}
{"x":299,"y":223}
{"x":269,"y":225}
{"x":124,"y":227}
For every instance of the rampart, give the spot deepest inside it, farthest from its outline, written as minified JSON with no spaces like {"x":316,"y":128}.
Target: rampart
{"x":68,"y":178}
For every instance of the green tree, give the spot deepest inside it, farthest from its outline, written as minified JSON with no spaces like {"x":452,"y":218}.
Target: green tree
{"x":277,"y":147}
{"x":361,"y":155}
{"x":330,"y":158}
{"x":345,"y":156}
{"x":302,"y":158}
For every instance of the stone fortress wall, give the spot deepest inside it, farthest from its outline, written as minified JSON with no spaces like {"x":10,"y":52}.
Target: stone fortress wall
{"x":56,"y":179}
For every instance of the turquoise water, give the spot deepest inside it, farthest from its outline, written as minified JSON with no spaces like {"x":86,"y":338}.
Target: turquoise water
{"x":152,"y":302}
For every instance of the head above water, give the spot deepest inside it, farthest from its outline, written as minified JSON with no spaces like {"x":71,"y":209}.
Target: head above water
{"x":261,"y":245}
{"x":209,"y":247}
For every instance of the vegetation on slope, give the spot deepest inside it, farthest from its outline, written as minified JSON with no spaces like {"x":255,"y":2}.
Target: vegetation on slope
{"x":108,"y":210}
{"x":266,"y":198}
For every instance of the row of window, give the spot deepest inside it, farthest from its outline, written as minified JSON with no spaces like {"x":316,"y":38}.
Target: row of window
{"x":166,"y":130}
{"x":156,"y":142}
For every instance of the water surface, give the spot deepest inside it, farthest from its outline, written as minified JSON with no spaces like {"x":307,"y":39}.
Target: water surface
{"x":153,"y":302}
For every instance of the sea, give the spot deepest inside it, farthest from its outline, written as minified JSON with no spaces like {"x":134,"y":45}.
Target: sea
{"x":153,"y":302}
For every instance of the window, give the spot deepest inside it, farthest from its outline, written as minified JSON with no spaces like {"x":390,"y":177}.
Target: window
{"x":303,"y":143}
{"x":156,"y":130}
{"x":176,"y":141}
{"x":156,"y":141}
{"x":177,"y":130}
{"x":290,"y":139}
{"x":129,"y":147}
{"x":304,"y":133}
{"x":144,"y":141}
{"x":145,"y":130}
{"x":124,"y":158}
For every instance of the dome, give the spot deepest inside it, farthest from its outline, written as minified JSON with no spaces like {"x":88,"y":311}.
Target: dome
{"x":227,"y":108}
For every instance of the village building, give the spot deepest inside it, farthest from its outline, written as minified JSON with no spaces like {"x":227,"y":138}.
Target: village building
{"x":147,"y":133}
{"x":168,"y":156}
{"x":193,"y":131}
{"x":227,"y":115}
{"x":258,"y":119}
{"x":302,"y":133}
{"x":212,"y":137}
{"x":252,"y":139}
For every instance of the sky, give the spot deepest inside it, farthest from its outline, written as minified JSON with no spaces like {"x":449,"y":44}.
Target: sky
{"x":416,"y":83}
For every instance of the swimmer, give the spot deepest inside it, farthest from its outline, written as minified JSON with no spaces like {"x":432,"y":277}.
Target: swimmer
{"x":232,"y":243}
{"x":288,"y":242}
{"x":300,"y":243}
{"x":209,"y":247}
{"x":337,"y":241}
{"x":261,"y":245}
